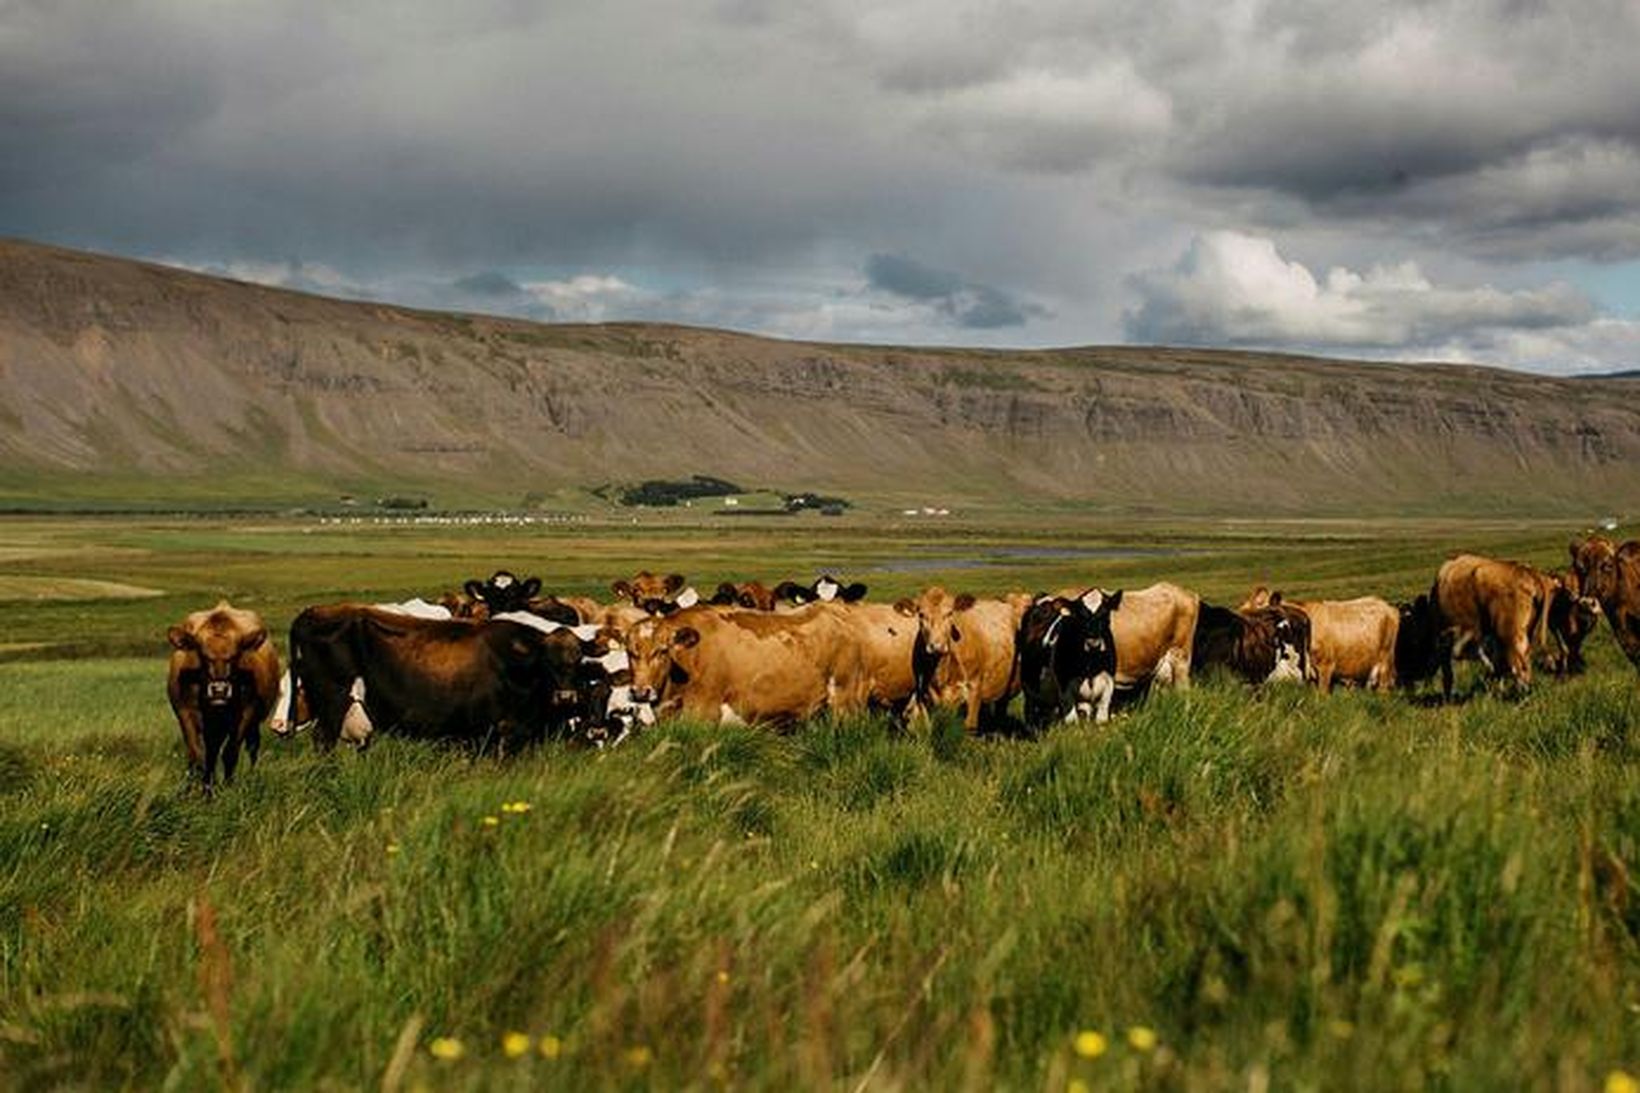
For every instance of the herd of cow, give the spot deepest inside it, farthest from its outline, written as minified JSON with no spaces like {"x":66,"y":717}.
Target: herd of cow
{"x":501,"y":663}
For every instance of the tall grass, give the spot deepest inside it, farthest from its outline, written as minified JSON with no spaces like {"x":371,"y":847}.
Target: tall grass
{"x":1283,"y":886}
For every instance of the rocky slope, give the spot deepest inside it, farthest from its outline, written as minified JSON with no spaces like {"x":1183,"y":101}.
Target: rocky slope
{"x":116,"y":369}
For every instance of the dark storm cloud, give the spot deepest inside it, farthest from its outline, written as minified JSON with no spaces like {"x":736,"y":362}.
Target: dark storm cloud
{"x":976,"y":307}
{"x":1055,"y":148}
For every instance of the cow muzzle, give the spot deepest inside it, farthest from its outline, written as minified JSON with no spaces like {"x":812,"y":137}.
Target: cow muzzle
{"x":218,"y":692}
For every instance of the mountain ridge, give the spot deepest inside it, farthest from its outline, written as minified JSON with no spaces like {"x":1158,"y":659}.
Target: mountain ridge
{"x":116,"y":369}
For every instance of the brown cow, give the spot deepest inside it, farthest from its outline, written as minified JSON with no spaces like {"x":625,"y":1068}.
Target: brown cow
{"x":652,"y":592}
{"x":734,"y":666}
{"x":752,"y":595}
{"x":1350,"y":640}
{"x":1154,"y":629}
{"x":223,"y":680}
{"x":1570,"y":618}
{"x":969,"y":648}
{"x":1494,"y":607}
{"x":1610,"y":574}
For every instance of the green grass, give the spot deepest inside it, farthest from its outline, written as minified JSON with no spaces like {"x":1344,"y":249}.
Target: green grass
{"x":1318,"y":891}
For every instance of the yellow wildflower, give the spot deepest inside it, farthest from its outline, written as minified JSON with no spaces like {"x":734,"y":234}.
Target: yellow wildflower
{"x":515,"y":1044}
{"x":447,"y":1048}
{"x":550,"y":1047}
{"x":1140,"y":1038}
{"x":392,"y":848}
{"x":722,"y":976}
{"x":490,"y":821}
{"x":1090,"y":1044}
{"x":639,"y":1056}
{"x":1621,"y":1081}
{"x":1077,"y":1085}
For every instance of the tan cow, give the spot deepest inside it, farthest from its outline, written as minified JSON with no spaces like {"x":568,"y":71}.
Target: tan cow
{"x":969,"y":648}
{"x":734,"y":666}
{"x":650,"y":591}
{"x":1610,"y":574}
{"x":223,"y":679}
{"x":887,"y":641}
{"x":1493,"y":607}
{"x":1350,"y":640}
{"x":1154,"y":630}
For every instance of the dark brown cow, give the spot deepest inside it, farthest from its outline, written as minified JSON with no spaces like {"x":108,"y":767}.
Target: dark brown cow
{"x":1266,"y":644}
{"x":735,"y":666}
{"x":1571,"y":618}
{"x":1610,"y":574}
{"x":223,"y":680}
{"x":361,"y":668}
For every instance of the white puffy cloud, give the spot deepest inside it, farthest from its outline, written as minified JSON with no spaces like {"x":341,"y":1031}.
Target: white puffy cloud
{"x":1231,"y":288}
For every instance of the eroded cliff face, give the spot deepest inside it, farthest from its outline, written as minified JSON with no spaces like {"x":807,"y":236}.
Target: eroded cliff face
{"x":114,"y":366}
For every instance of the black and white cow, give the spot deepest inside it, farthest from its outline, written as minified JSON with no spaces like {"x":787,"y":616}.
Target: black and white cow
{"x":1067,"y":657}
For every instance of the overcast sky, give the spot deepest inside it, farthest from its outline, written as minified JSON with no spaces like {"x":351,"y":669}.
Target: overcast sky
{"x":1441,"y":180}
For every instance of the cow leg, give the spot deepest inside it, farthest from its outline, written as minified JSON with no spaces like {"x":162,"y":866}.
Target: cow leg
{"x":1520,"y":661}
{"x":193,"y":737}
{"x":971,"y":721}
{"x":253,"y":743}
{"x":214,"y":736}
{"x":1445,"y":651}
{"x":1324,"y":677}
{"x":230,"y":758}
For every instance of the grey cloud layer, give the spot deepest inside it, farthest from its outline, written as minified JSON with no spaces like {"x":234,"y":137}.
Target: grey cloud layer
{"x":1033,"y":156}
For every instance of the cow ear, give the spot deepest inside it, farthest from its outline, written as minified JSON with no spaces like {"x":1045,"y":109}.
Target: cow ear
{"x":253,"y":640}
{"x":597,"y":647}
{"x":908,"y":608}
{"x":623,"y":588}
{"x":687,"y":637}
{"x":532,"y":586}
{"x":1275,"y":599}
{"x":675,"y":582}
{"x":963,"y":602}
{"x":725,"y":594}
{"x":854,"y":593}
{"x":1113,"y":600}
{"x":179,"y":638}
{"x":474,"y":589}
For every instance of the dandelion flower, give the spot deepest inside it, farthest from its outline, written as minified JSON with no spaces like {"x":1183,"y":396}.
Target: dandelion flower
{"x":1621,"y":1081}
{"x":1090,"y":1044}
{"x":515,"y":1044}
{"x":490,"y":821}
{"x":1077,"y":1085}
{"x":639,"y":1056}
{"x":517,"y":808}
{"x":446,"y":1048}
{"x":1140,"y":1038}
{"x":392,"y":848}
{"x":550,"y":1047}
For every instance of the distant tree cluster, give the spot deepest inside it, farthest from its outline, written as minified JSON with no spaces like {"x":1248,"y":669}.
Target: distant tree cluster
{"x":660,"y":493}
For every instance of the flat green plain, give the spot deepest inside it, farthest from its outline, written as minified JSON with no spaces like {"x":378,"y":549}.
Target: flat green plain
{"x":1222,"y":888}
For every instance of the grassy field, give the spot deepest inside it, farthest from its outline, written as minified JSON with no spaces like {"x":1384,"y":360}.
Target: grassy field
{"x":1223,"y":888}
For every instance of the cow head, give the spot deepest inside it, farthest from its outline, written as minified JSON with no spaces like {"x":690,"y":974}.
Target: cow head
{"x":1417,"y":641}
{"x":1259,"y":598}
{"x":825,"y":589}
{"x":752,"y":595}
{"x":939,"y":618}
{"x":655,"y":594}
{"x":661,"y":654}
{"x":1572,"y":618}
{"x":217,"y":641}
{"x":503,"y":592}
{"x":1594,"y":563}
{"x":1290,"y":639}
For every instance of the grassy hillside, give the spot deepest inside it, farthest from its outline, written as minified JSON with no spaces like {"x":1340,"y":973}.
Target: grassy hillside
{"x":1220,"y":889}
{"x":125,"y":383}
